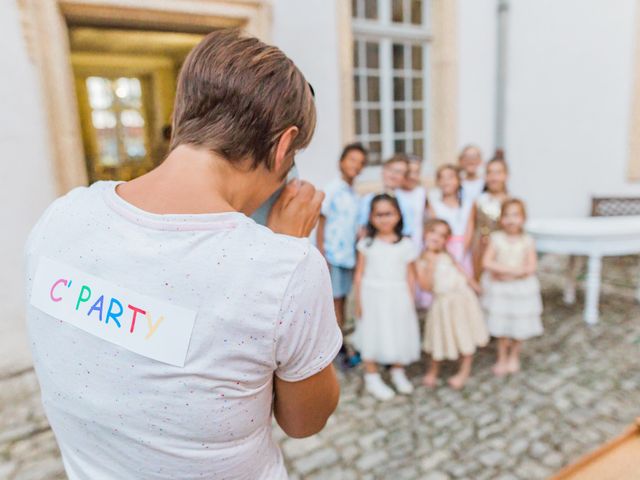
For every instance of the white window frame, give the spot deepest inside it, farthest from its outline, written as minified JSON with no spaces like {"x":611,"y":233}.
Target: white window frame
{"x":385,"y":32}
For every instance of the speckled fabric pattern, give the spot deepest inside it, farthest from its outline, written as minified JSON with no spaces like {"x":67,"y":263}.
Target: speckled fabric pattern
{"x":264,"y":307}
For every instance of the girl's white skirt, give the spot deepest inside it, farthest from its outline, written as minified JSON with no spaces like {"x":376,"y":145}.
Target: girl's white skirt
{"x":388,"y":332}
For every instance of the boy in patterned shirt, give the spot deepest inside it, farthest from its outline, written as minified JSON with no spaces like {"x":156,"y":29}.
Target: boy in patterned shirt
{"x":338,"y":226}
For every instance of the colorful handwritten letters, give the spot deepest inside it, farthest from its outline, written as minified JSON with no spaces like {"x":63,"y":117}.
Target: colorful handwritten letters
{"x":148,"y":326}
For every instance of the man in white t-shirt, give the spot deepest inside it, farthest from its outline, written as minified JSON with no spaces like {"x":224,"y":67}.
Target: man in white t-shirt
{"x":166,"y":326}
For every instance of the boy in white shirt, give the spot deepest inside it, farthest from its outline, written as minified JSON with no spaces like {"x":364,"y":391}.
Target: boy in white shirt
{"x":470,"y":163}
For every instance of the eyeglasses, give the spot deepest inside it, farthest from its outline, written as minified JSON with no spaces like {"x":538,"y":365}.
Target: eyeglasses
{"x":384,"y":214}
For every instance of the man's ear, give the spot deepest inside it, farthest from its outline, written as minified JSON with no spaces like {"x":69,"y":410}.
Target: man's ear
{"x":283,"y":147}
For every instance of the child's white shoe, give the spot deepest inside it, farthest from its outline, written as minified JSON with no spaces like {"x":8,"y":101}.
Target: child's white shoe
{"x":400,"y":381}
{"x":375,"y":386}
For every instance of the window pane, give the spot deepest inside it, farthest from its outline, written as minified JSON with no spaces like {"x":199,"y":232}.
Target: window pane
{"x":398,"y":56}
{"x":100,"y":95}
{"x":417,"y":120}
{"x":373,"y":89}
{"x":373,"y":55}
{"x":375,"y":152}
{"x":416,"y":12}
{"x":417,"y":89}
{"x":358,"y":121}
{"x":128,"y":91}
{"x":103,"y":119}
{"x":374,"y":121}
{"x":134,"y":147}
{"x":416,"y":57}
{"x":354,"y":8}
{"x":397,"y":11}
{"x":418,"y":147}
{"x":132,"y":118}
{"x":371,"y":9}
{"x":398,"y":89}
{"x":399,"y":120}
{"x":375,"y":147}
{"x":399,"y":146}
{"x":357,"y":61}
{"x":356,"y":88}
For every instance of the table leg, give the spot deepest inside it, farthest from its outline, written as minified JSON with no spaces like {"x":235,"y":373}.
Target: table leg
{"x":569,"y":293}
{"x":594,"y":269}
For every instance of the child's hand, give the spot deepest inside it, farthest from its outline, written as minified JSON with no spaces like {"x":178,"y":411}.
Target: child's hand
{"x":475,"y":286}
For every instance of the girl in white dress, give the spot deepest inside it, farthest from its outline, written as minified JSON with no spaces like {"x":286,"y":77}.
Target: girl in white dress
{"x":387,"y":331}
{"x":449,"y":205}
{"x":511,"y":289}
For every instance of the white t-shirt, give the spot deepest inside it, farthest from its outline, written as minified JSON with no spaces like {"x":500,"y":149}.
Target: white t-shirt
{"x":261,"y":303}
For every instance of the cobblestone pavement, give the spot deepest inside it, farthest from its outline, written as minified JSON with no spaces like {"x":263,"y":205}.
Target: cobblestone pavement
{"x":580,"y":386}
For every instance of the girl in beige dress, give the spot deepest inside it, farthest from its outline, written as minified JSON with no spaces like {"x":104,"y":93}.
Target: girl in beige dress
{"x":455,"y":327}
{"x":486,"y":210}
{"x":511,"y":289}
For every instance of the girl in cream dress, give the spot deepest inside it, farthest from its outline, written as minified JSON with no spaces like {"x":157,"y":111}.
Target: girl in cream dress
{"x":455,"y":327}
{"x":511,"y":289}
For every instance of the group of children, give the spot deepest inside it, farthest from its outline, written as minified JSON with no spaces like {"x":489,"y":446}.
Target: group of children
{"x":459,"y":250}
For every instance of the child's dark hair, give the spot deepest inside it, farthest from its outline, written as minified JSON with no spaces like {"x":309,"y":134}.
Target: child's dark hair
{"x":371,"y":230}
{"x":357,"y":146}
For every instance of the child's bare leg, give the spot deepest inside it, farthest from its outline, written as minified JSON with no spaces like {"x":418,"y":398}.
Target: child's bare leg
{"x":431,"y":378}
{"x":500,"y":368}
{"x":513,"y":363}
{"x":459,"y":379}
{"x":370,"y":367}
{"x":338,"y":303}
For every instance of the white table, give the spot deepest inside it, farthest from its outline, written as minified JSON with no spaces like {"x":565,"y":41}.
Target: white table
{"x":594,"y":237}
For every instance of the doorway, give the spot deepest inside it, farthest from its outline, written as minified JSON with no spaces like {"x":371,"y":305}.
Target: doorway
{"x":125,"y":83}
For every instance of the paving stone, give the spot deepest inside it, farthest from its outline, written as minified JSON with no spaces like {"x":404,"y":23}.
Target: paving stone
{"x":317,"y":459}
{"x":492,"y":458}
{"x":371,"y":459}
{"x":294,"y":447}
{"x":434,"y":459}
{"x":436,"y":476}
{"x":553,"y":460}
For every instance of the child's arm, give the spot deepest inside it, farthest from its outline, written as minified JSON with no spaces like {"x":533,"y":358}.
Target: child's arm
{"x":475,"y":286}
{"x":320,"y":233}
{"x":411,"y":278}
{"x":471,"y":225}
{"x":357,"y":282}
{"x":531,"y":263}
{"x":424,"y":272}
{"x":489,"y":264}
{"x":430,"y":211}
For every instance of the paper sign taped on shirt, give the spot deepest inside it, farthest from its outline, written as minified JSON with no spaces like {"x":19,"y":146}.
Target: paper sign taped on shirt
{"x":147,"y":326}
